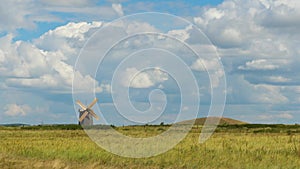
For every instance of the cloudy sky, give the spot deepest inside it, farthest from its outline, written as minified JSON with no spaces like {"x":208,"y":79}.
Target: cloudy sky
{"x":46,"y":46}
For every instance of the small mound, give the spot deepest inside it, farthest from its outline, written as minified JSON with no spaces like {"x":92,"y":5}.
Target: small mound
{"x":222,"y":121}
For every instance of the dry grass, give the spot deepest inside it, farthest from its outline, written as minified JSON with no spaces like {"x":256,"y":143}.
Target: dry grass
{"x":73,"y":149}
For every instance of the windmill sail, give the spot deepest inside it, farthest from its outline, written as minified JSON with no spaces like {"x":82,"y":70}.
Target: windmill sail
{"x":86,"y":114}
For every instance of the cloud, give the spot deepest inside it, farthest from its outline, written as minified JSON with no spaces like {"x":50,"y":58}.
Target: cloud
{"x":281,"y":14}
{"x":72,"y":30}
{"x":136,"y":79}
{"x":48,"y":62}
{"x":205,"y":64}
{"x":181,"y":34}
{"x":85,"y":84}
{"x":258,"y":42}
{"x":17,"y":110}
{"x":255,"y":25}
{"x":285,"y":116}
{"x":244,"y":92}
{"x":78,"y":3}
{"x":270,"y":94}
{"x":213,"y":67}
{"x":270,"y":117}
{"x":67,"y":38}
{"x":230,"y":36}
{"x":279,"y":79}
{"x":25,"y":14}
{"x":118,"y":9}
{"x":16,"y":15}
{"x":260,"y":64}
{"x":268,"y":78}
{"x":213,"y":13}
{"x":134,"y":27}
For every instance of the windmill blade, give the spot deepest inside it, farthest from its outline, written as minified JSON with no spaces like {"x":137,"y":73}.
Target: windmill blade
{"x":93,"y":103}
{"x":83,"y":116}
{"x":80,"y":104}
{"x":94,"y":114}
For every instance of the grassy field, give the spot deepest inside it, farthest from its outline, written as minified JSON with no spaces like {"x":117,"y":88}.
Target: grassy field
{"x":234,"y":146}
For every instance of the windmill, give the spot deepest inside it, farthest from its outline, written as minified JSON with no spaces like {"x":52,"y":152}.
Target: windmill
{"x":86,"y":114}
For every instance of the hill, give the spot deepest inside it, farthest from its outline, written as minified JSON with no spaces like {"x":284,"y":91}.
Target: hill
{"x":223,"y":121}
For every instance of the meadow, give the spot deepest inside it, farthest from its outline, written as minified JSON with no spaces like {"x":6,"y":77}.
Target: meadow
{"x":231,"y":146}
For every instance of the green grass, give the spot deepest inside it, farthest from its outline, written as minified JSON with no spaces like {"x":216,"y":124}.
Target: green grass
{"x":230,"y":147}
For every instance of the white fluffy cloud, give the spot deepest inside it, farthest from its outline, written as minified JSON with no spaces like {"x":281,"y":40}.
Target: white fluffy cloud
{"x":213,"y":67}
{"x":181,"y":34}
{"x":250,"y":23}
{"x":204,"y":65}
{"x":258,"y":42}
{"x":281,"y":13}
{"x":21,"y":14}
{"x":48,"y":63}
{"x":25,"y":14}
{"x":71,"y":30}
{"x":145,"y":79}
{"x":16,"y":110}
{"x":68,"y":38}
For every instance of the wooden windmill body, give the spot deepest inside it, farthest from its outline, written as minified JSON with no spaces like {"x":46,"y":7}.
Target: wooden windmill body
{"x":86,"y":114}
{"x":87,"y":121}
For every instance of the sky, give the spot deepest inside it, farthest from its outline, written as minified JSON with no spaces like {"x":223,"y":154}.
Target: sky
{"x":170,"y":57}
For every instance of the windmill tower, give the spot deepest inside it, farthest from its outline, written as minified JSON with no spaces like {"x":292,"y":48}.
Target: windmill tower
{"x":86,"y":114}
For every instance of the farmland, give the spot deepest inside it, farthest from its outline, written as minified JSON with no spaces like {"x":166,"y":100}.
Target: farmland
{"x":231,"y":146}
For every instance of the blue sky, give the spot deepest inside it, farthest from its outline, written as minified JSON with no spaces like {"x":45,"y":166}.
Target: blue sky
{"x":257,"y":42}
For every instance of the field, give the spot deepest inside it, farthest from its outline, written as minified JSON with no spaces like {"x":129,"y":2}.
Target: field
{"x":232,"y":146}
